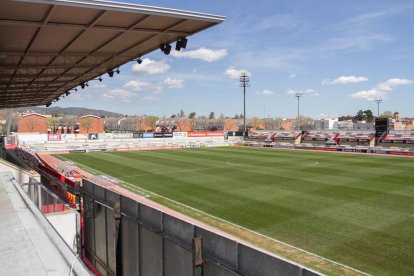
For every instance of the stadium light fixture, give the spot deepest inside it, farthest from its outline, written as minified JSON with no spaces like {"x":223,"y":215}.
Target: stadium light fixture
{"x":166,"y":49}
{"x":117,"y":71}
{"x":100,"y":79}
{"x":181,"y":44}
{"x":67,"y":93}
{"x":48,"y":104}
{"x":110,"y":73}
{"x":139,"y":60}
{"x":298,"y":95}
{"x":244,"y":82}
{"x":378,"y":101}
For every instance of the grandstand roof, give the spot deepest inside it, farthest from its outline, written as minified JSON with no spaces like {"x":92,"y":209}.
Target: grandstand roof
{"x":48,"y":47}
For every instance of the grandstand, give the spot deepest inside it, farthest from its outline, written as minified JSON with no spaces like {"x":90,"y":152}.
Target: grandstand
{"x":319,"y":137}
{"x":402,"y":139}
{"x":356,"y":138}
{"x":292,"y":137}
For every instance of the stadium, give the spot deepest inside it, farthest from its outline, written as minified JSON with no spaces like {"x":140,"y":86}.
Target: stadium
{"x":168,"y":202}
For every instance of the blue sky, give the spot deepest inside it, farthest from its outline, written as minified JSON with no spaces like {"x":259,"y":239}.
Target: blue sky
{"x":342,"y":55}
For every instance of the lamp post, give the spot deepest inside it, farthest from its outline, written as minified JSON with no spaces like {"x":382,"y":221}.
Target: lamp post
{"x":244,"y":82}
{"x":378,"y":101}
{"x":298,"y":95}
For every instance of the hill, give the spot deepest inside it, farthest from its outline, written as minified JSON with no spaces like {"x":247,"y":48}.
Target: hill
{"x":56,"y":110}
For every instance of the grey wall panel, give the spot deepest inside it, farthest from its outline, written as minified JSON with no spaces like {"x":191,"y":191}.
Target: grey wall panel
{"x":306,"y":272}
{"x":88,"y":231}
{"x":87,"y":186}
{"x":111,"y":197}
{"x":253,"y":262}
{"x":218,"y":247}
{"x":129,"y":207}
{"x":178,"y":229}
{"x":110,"y":237}
{"x":130,"y":247}
{"x":177,"y":260}
{"x":101,"y":269}
{"x":99,"y":193}
{"x":100,"y":234}
{"x":150,"y":252}
{"x":150,"y":217}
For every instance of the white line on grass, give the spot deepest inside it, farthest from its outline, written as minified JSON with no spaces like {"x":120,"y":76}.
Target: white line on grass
{"x":171,"y":172}
{"x":254,"y":232}
{"x":312,"y":164}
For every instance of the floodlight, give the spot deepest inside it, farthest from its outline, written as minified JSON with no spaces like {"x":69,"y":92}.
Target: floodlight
{"x":181,"y":44}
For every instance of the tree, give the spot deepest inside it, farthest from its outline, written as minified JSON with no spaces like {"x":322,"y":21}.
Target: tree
{"x":369,"y":116}
{"x":236,"y":116}
{"x":173,"y":116}
{"x":387,"y":114}
{"x":52,"y":122}
{"x":191,"y":115}
{"x":151,"y":121}
{"x":181,"y":114}
{"x":360,"y":116}
{"x":364,"y":116}
{"x":241,"y":116}
{"x":211,"y":116}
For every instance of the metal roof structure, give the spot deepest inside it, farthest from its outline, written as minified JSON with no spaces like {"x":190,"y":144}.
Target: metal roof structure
{"x":48,"y":47}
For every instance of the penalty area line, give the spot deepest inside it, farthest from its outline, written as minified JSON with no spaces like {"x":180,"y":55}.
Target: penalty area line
{"x":256,"y":233}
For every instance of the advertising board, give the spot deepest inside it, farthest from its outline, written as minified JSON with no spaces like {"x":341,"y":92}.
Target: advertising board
{"x":54,"y":137}
{"x":93,"y":136}
{"x":148,"y":135}
{"x":179,"y":134}
{"x":136,"y":135}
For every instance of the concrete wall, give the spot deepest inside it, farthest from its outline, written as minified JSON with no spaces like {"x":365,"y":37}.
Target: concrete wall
{"x":148,"y":241}
{"x":21,"y":175}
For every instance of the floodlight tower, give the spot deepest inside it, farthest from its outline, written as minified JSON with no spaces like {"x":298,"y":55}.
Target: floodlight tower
{"x":298,"y":95}
{"x":244,"y":82}
{"x":378,"y":101}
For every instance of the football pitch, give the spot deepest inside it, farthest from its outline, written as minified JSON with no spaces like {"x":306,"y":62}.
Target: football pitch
{"x":357,"y":210}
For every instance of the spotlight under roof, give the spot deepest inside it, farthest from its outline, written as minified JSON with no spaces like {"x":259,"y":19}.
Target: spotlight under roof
{"x":181,"y":44}
{"x":166,"y":49}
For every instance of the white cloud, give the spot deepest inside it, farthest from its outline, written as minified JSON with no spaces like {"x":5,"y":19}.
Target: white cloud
{"x":265,"y":92}
{"x":291,"y":76}
{"x":136,"y":85}
{"x":98,"y":85}
{"x":174,"y":83}
{"x":151,"y":67}
{"x":235,"y":73}
{"x":202,"y":53}
{"x":309,"y":91}
{"x":290,"y":91}
{"x":391,"y":83}
{"x":381,"y":90}
{"x":345,"y":80}
{"x":121,"y":94}
{"x":149,"y":98}
{"x":369,"y":95}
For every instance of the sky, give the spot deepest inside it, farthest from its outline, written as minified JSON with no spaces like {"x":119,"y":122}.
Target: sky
{"x":341,"y":55}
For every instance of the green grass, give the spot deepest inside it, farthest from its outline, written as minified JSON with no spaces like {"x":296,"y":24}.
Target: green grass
{"x":354,"y":209}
